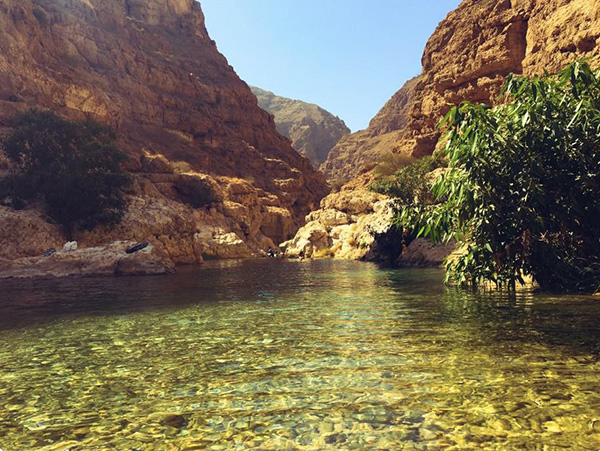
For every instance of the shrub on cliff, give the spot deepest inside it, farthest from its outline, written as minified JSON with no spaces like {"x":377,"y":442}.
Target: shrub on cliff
{"x":390,"y":163}
{"x":521,"y":194}
{"x":196,"y":191}
{"x":73,"y":167}
{"x":411,"y":183}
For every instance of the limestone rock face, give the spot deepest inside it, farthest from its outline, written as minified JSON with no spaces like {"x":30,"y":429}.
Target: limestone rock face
{"x":27,"y":233}
{"x":313,"y":130}
{"x":149,"y":68}
{"x":358,"y":153}
{"x":468,"y":58}
{"x":351,"y":225}
{"x":249,"y":222}
{"x":356,"y":225}
{"x":160,"y":12}
{"x":246,"y":225}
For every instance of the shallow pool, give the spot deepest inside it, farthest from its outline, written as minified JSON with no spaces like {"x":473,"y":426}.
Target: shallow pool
{"x":271,"y":355}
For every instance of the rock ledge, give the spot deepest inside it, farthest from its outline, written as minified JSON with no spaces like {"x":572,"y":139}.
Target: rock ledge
{"x":109,"y":260}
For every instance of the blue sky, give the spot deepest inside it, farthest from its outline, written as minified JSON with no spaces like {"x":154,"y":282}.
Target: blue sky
{"x":348,"y":56}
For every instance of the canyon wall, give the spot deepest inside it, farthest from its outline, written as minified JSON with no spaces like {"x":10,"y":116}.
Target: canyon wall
{"x":313,"y":130}
{"x":150,"y":69}
{"x":467,"y":58}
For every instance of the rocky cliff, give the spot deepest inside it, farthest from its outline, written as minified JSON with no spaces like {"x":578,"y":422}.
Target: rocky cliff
{"x":150,"y":69}
{"x":313,"y":130}
{"x":468,"y":58}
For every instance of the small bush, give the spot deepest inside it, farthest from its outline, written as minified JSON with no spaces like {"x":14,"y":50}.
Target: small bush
{"x":390,"y":163}
{"x":197,"y":191}
{"x":73,"y":167}
{"x":181,"y":167}
{"x":337,"y":184}
{"x":410,"y":184}
{"x":156,"y":164}
{"x":181,"y":135}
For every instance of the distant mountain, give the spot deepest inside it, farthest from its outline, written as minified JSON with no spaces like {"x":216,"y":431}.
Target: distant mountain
{"x":313,"y":130}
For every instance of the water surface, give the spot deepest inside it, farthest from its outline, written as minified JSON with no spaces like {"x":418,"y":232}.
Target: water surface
{"x":270,"y":355}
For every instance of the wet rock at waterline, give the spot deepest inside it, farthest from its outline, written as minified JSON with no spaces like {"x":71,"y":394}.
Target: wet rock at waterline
{"x":423,"y":253}
{"x":109,"y":260}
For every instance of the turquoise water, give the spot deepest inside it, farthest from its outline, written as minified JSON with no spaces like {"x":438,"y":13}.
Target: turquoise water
{"x":270,"y":355}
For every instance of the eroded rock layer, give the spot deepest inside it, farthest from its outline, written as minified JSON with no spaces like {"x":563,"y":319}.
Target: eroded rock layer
{"x":468,"y":58}
{"x":149,"y":68}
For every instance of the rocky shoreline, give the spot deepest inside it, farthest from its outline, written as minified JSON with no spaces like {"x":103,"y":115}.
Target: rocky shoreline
{"x":112,"y":261}
{"x":358,"y":230}
{"x":101,"y":261}
{"x":353,"y":224}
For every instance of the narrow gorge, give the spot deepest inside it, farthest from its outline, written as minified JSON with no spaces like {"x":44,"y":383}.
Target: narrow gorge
{"x":189,"y":263}
{"x":313,"y":130}
{"x":150,"y":69}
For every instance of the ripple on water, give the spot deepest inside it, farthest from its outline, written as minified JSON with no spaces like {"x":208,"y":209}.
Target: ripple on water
{"x":295,"y":356}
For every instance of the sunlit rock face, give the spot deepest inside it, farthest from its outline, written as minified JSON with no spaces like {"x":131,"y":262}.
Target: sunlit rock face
{"x":150,"y":69}
{"x":350,"y":225}
{"x":159,"y":11}
{"x":356,"y":224}
{"x":468,"y":58}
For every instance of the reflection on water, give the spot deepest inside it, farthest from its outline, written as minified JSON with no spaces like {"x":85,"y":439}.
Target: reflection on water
{"x":294,"y":356}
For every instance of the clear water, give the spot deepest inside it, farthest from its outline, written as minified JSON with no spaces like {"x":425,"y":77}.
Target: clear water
{"x":268,"y":355}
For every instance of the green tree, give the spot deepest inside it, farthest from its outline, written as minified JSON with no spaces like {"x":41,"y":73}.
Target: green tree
{"x":521,"y":195}
{"x":74,"y":167}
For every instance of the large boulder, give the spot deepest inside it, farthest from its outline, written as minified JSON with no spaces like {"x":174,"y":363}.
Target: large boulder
{"x":218,"y":243}
{"x":308,"y":242}
{"x":351,"y":225}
